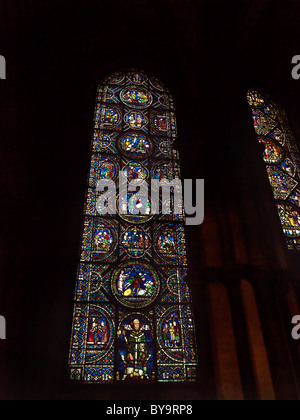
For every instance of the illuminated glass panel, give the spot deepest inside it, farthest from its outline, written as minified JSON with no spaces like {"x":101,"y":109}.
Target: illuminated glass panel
{"x":133,"y":319}
{"x":282,"y":160}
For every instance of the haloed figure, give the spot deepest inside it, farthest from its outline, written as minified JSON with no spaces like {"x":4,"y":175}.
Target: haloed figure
{"x":137,"y":353}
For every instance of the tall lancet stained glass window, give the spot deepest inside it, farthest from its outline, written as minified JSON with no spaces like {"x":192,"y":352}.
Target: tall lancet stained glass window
{"x":282,"y":161}
{"x":133,"y":319}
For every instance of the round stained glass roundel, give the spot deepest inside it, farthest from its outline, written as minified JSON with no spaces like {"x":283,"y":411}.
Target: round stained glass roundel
{"x":136,"y":171}
{"x":109,"y":117}
{"x":135,"y":145}
{"x":165,"y":243}
{"x":136,"y":97}
{"x":135,"y":120}
{"x":135,"y":285}
{"x":107,"y":169}
{"x":104,"y":241}
{"x":136,"y":242}
{"x":135,"y":207}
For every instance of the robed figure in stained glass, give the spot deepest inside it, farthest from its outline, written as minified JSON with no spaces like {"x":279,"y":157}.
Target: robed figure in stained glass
{"x":137,"y":353}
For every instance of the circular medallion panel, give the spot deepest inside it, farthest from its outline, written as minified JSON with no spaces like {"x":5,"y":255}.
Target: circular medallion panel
{"x":136,"y":97}
{"x":135,"y":120}
{"x":164,"y":170}
{"x":135,"y":207}
{"x":104,"y":241}
{"x":135,"y":285}
{"x":135,"y":145}
{"x":108,"y":117}
{"x":165,"y":243}
{"x":136,"y":171}
{"x":107,"y":169}
{"x":136,"y":242}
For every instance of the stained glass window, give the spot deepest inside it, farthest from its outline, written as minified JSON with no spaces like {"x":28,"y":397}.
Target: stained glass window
{"x":133,"y":318}
{"x":282,"y":160}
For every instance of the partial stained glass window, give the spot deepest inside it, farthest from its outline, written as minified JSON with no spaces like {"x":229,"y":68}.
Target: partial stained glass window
{"x":133,"y":318}
{"x":282,"y":160}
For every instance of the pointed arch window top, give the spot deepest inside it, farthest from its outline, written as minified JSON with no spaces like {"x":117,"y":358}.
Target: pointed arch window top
{"x":282,"y":160}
